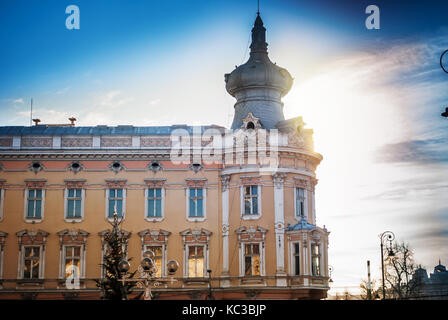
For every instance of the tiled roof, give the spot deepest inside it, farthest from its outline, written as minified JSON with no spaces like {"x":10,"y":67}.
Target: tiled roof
{"x":43,"y":130}
{"x":301,"y":225}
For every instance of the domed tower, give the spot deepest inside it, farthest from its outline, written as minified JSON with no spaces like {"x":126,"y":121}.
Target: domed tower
{"x":258,"y":85}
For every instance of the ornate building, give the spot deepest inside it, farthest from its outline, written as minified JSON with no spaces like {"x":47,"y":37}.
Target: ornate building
{"x":246,"y":211}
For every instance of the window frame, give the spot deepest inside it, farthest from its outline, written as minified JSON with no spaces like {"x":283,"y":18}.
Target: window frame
{"x":2,"y":202}
{"x":66,"y":198}
{"x":163,"y":262}
{"x":243,"y":258}
{"x":154,"y":219}
{"x":186,"y":259}
{"x":22,"y":257}
{"x":251,"y":255}
{"x":204,"y":204}
{"x":42,"y":206}
{"x":319,"y":256}
{"x":123,"y":207}
{"x":242,"y":202}
{"x":292,"y":262}
{"x":63,"y":257}
{"x":305,"y":204}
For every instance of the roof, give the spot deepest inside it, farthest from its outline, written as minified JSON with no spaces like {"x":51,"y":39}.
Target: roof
{"x":128,"y":130}
{"x":301,"y":225}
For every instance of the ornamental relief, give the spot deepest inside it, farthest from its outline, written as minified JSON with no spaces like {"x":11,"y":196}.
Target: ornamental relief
{"x":155,"y":142}
{"x":117,"y":142}
{"x":5,"y":142}
{"x":37,"y":142}
{"x":76,"y":142}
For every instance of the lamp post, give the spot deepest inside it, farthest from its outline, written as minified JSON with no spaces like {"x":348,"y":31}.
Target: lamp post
{"x":386,"y":236}
{"x":147,"y":270}
{"x":330,"y":270}
{"x":444,"y":114}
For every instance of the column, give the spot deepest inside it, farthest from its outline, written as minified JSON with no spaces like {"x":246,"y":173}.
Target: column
{"x":279,"y":221}
{"x":225,"y":179}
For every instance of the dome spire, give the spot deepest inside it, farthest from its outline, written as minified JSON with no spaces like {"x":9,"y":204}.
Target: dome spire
{"x":258,"y":37}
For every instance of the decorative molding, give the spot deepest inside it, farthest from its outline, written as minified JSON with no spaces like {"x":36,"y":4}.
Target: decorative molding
{"x":35,"y":183}
{"x":155,"y":166}
{"x":73,"y":236}
{"x":116,"y":183}
{"x":155,"y":182}
{"x":279,"y":179}
{"x":75,"y":183}
{"x":36,"y":166}
{"x":75,"y":166}
{"x":196,"y":167}
{"x":32,"y":237}
{"x":251,"y":233}
{"x":196,"y":235}
{"x":116,"y":166}
{"x":149,"y":237}
{"x":225,"y":180}
{"x":250,"y":118}
{"x":196,"y":182}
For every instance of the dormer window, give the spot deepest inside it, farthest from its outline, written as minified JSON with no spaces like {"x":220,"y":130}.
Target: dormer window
{"x":196,"y":167}
{"x":116,"y":166}
{"x":250,"y":126}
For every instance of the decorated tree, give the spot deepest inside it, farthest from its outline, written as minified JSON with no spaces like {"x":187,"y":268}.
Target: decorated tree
{"x":115,"y":252}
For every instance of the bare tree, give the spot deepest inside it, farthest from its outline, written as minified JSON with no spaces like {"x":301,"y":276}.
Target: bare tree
{"x":399,"y":269}
{"x":375,"y":290}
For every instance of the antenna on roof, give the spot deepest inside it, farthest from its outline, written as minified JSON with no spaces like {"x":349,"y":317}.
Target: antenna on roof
{"x":31,"y":115}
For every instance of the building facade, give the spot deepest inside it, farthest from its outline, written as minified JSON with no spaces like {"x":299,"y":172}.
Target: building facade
{"x":238,"y":202}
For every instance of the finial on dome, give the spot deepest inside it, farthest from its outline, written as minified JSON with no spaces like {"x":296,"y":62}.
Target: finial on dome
{"x":258,"y":37}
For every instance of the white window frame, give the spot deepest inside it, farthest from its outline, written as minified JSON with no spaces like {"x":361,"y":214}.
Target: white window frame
{"x":164,"y":259}
{"x":206,"y":258}
{"x":2,"y":201}
{"x":83,"y":196}
{"x":292,"y":260}
{"x":305,"y":204}
{"x":154,"y":219}
{"x":245,"y":216}
{"x":21,"y":264}
{"x":82,"y":261}
{"x":42,"y":210}
{"x":320,"y":259}
{"x":204,"y":204}
{"x":107,"y":204}
{"x":243,"y":260}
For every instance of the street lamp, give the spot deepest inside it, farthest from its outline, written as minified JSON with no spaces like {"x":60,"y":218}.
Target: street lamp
{"x":210,"y":295}
{"x":387,"y":236}
{"x":444,"y":114}
{"x":147,"y":269}
{"x":330,"y":270}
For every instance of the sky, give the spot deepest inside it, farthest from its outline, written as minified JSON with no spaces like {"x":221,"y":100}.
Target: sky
{"x":372,"y":97}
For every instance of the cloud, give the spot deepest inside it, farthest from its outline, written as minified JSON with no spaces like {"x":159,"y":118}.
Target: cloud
{"x":427,"y":151}
{"x":20,"y":100}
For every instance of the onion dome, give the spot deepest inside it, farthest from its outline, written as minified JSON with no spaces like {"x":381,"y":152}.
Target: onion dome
{"x":259,"y":71}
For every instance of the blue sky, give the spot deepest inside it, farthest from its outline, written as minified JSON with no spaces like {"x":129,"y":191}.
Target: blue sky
{"x":373,"y":97}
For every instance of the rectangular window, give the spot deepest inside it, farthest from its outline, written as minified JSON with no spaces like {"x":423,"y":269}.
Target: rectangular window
{"x":72,"y":256}
{"x":300,"y":202}
{"x":252,"y":259}
{"x":74,"y":203}
{"x":196,"y":199}
{"x":296,"y":257}
{"x":31,"y":262}
{"x":251,"y":200}
{"x":315,"y":259}
{"x":196,"y":261}
{"x":158,"y":258}
{"x":115,"y":202}
{"x":34,"y":210}
{"x":154,"y":202}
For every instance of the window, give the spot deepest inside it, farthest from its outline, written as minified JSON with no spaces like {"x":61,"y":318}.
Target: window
{"x":251,"y":200}
{"x":115,"y":202}
{"x":2,"y":200}
{"x":74,"y":201}
{"x":296,"y":258}
{"x":196,"y":261}
{"x":72,"y":260}
{"x":315,"y":260}
{"x":158,"y":258}
{"x":252,"y":259}
{"x":154,"y":203}
{"x":34,"y":204}
{"x":196,"y":202}
{"x":31,"y":262}
{"x":300,"y":202}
